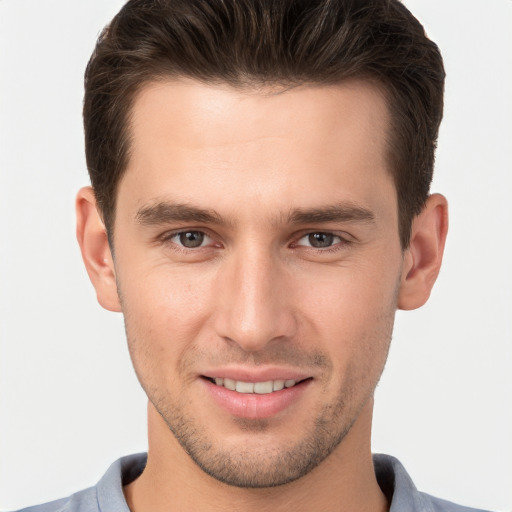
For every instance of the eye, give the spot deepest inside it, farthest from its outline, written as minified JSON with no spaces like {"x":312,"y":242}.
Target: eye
{"x":190,"y":239}
{"x":319,"y":240}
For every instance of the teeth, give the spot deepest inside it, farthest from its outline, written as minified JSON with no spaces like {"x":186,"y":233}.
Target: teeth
{"x":260,"y":388}
{"x":278,"y":385}
{"x":230,"y":384}
{"x":244,"y":387}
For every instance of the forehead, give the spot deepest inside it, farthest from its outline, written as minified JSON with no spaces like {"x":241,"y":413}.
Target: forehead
{"x":295,"y":144}
{"x":177,"y":107}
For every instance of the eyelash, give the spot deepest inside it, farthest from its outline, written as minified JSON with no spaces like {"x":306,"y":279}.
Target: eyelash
{"x":342,"y":242}
{"x":167,"y":238}
{"x":336,"y":246}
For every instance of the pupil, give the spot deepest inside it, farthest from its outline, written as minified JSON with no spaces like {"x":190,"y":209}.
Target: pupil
{"x":191,"y":239}
{"x":320,"y":240}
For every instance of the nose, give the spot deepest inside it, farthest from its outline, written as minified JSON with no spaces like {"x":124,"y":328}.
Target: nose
{"x":255,"y":301}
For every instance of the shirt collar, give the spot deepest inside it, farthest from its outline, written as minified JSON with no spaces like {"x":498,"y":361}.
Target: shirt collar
{"x":392,"y":477}
{"x":397,"y":486}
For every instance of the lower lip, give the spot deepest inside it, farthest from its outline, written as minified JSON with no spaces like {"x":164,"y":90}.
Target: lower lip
{"x":252,"y":405}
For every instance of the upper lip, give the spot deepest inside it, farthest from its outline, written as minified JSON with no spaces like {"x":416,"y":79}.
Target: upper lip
{"x":256,"y":374}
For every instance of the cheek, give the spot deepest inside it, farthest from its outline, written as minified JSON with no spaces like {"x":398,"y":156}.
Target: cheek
{"x":352,"y":315}
{"x":166,"y":298}
{"x":164,"y":313}
{"x":351,"y":297}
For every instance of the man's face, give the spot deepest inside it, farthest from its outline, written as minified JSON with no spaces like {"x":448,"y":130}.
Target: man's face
{"x":256,"y":246}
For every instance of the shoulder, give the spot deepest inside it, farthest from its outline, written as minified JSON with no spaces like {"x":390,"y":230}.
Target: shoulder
{"x":440,"y":505}
{"x":83,"y":501}
{"x":401,"y":492}
{"x":106,"y":496}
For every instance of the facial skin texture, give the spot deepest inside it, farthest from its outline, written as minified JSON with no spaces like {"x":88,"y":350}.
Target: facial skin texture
{"x":255,"y":174}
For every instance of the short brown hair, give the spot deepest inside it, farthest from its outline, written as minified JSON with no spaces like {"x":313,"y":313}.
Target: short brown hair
{"x":260,"y":42}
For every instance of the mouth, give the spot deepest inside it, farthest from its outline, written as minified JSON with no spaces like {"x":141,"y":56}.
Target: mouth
{"x":258,"y":388}
{"x":256,"y":394}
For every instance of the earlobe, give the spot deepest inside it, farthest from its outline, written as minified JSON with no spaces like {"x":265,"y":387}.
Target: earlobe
{"x":423,"y":257}
{"x":96,"y":254}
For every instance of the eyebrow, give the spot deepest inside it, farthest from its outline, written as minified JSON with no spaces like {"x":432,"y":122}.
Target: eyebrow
{"x":334,"y":213}
{"x":165,"y":213}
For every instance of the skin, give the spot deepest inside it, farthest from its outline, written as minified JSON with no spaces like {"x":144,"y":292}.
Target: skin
{"x":254,"y":295}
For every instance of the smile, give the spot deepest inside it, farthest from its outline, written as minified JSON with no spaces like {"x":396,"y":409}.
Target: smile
{"x":259,"y":388}
{"x":262,"y":398}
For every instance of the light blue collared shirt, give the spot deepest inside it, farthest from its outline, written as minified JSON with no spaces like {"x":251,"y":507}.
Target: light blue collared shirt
{"x":107,"y":495}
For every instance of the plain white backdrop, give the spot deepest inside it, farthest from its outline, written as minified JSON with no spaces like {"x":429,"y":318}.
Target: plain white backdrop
{"x":69,"y":401}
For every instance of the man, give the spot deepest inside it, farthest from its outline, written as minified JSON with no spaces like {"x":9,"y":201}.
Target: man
{"x":259,"y":210}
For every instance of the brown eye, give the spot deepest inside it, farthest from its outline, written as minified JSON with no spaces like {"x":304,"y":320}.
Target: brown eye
{"x":191,"y":239}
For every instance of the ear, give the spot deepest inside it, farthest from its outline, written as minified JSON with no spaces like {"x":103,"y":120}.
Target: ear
{"x":93,"y":241}
{"x":423,"y":257}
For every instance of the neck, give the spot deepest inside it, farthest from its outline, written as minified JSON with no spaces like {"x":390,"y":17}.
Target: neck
{"x":344,"y":481}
